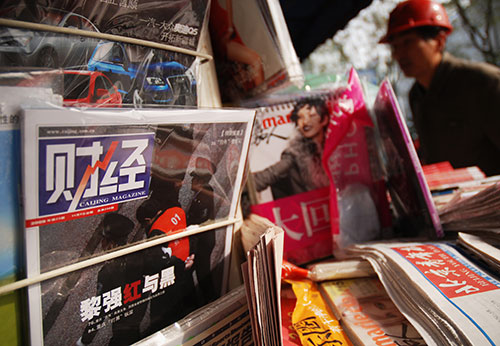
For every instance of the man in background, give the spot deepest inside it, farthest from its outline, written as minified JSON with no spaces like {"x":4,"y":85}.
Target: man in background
{"x":455,"y":103}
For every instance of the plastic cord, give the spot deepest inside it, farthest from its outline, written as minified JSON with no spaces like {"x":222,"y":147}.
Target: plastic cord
{"x":114,"y":254}
{"x":102,"y":36}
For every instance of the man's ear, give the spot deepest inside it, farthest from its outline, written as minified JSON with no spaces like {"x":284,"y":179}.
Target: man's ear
{"x":441,"y":41}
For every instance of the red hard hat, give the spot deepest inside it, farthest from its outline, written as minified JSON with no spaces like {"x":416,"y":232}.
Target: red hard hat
{"x":415,"y":13}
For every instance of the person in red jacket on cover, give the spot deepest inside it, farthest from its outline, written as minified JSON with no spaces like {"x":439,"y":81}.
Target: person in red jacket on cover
{"x":455,"y":103}
{"x":175,"y":303}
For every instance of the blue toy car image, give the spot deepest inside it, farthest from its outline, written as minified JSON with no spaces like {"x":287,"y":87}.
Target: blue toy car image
{"x":144,"y":76}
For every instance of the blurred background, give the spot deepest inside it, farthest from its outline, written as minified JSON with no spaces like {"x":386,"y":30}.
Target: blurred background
{"x":329,"y":45}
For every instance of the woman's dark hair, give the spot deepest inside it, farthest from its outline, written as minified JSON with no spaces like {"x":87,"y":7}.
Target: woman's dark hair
{"x":318,"y":103}
{"x":322,"y":109}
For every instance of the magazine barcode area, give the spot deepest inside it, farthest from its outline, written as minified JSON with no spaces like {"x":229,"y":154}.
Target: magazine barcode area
{"x":167,"y":179}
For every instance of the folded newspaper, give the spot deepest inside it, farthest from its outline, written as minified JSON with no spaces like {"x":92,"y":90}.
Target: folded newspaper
{"x":262,"y":277}
{"x":449,"y":299}
{"x":485,"y":246}
{"x":473,"y":208}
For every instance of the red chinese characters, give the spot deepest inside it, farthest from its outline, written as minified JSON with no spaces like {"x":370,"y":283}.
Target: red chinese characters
{"x":451,"y":277}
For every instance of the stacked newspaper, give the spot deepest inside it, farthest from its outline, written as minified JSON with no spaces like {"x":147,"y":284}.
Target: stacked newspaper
{"x":448,"y":298}
{"x":474,"y":208}
{"x":485,"y":246}
{"x":262,"y":277}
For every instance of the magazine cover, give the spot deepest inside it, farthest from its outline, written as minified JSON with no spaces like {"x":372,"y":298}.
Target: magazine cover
{"x":11,"y":262}
{"x":313,"y":165}
{"x":123,"y":300}
{"x":409,"y":191}
{"x":367,"y":313}
{"x":100,"y":73}
{"x":292,"y":188}
{"x":151,"y":172}
{"x":252,"y":48}
{"x":176,"y":23}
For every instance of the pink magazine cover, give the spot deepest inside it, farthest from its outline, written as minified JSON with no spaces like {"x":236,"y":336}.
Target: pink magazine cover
{"x":409,"y":190}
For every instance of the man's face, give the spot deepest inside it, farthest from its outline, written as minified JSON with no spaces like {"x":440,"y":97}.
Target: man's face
{"x":415,"y":55}
{"x":309,"y":122}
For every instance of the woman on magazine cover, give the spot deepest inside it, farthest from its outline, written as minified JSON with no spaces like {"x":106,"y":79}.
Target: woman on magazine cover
{"x":299,"y":169}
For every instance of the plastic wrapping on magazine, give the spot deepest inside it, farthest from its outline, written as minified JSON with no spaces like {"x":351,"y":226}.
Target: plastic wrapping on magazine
{"x":340,"y":269}
{"x":51,"y":80}
{"x":110,"y":74}
{"x":251,"y":58}
{"x":354,"y":169}
{"x":292,"y":272}
{"x":290,"y":184}
{"x":100,"y":68}
{"x":175,"y":23}
{"x":198,"y":321}
{"x":359,"y":220}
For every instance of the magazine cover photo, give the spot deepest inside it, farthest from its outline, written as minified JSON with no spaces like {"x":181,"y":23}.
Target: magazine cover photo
{"x":100,"y":188}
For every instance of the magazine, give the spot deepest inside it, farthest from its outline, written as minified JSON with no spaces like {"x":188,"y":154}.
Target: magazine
{"x":123,"y":300}
{"x":101,"y":67}
{"x":410,"y":194}
{"x":226,"y":318}
{"x":294,"y":196}
{"x":176,"y":23}
{"x":448,"y":298}
{"x":367,"y":313}
{"x":288,"y":302}
{"x":442,"y":176}
{"x":132,"y":176}
{"x":312,"y":321}
{"x":11,"y":262}
{"x":252,"y":48}
{"x":102,"y":73}
{"x":315,"y":171}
